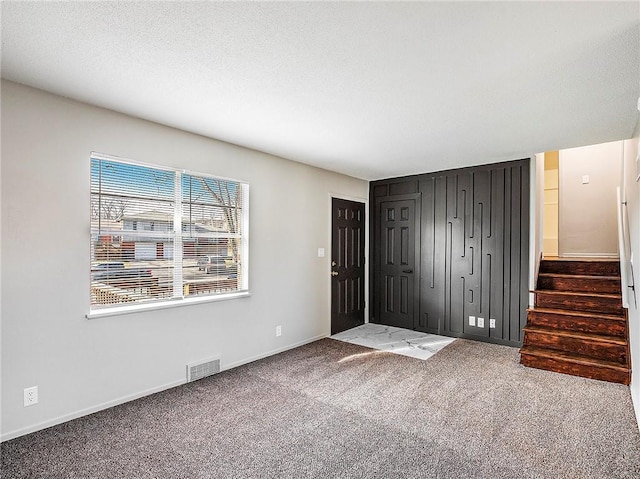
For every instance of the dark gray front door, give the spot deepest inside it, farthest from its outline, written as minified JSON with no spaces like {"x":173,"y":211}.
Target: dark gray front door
{"x":397,"y":277}
{"x":347,"y":265}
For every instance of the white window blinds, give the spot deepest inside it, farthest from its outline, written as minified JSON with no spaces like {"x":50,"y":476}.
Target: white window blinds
{"x":160,"y":234}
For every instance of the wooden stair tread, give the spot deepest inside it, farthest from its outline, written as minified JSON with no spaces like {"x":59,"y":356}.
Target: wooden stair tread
{"x":580,"y":276}
{"x":571,"y":312}
{"x":578,"y":325}
{"x":579,"y":294}
{"x":595,"y":266}
{"x":577,"y":335}
{"x":583,"y":259}
{"x":573,"y":358}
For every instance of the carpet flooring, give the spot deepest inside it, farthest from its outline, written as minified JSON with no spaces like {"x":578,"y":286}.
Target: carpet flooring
{"x":336,"y":410}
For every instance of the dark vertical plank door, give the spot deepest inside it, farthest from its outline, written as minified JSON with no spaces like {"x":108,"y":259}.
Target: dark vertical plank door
{"x":347,"y":264}
{"x":397,"y":277}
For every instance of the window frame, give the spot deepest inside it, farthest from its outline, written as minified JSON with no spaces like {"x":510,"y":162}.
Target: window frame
{"x":177,"y":235}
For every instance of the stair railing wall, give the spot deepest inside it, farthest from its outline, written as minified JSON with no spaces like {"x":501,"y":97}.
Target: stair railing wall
{"x":624,"y":242}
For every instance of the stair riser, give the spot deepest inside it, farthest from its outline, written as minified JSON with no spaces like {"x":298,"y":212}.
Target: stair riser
{"x":580,"y":285}
{"x":560,"y":366}
{"x":573,"y":323}
{"x":599,"y":268}
{"x":577,"y":303}
{"x":594,"y":349}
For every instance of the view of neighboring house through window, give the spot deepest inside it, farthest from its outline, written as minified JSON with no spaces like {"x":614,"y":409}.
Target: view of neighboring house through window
{"x":164,"y":234}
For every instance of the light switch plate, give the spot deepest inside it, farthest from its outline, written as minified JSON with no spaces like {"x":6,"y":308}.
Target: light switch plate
{"x":472,"y":320}
{"x":320,"y":252}
{"x":585,"y":179}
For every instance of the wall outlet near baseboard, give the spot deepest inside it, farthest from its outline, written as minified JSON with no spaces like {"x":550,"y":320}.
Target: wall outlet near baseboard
{"x":31,"y":396}
{"x":492,"y":323}
{"x":278,"y":330}
{"x":472,"y":320}
{"x":481,"y":322}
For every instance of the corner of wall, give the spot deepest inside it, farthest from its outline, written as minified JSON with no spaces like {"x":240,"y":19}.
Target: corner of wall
{"x":535,"y":219}
{"x":632,"y":197}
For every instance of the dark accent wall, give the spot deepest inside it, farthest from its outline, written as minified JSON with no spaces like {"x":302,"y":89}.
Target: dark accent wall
{"x":474,"y":249}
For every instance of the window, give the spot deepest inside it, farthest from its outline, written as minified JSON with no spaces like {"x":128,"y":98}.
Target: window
{"x":160,"y":234}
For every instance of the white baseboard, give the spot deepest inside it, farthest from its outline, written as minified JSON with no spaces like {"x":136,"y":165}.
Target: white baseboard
{"x":87,"y":411}
{"x":635,"y":398}
{"x":131,"y":397}
{"x":272,"y":352}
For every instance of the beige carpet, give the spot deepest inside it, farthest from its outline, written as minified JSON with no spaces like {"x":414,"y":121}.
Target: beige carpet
{"x":333,"y":409}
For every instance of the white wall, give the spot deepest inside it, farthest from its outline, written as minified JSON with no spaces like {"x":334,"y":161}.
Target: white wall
{"x":536,"y":220}
{"x":631,"y":192}
{"x":588,"y":225}
{"x":550,"y":200}
{"x":83,"y":365}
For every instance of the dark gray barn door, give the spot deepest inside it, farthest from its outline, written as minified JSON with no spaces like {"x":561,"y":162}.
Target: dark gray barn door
{"x":347,"y":265}
{"x":397,"y":277}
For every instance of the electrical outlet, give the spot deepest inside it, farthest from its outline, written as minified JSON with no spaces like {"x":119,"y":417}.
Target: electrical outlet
{"x":492,"y":323}
{"x":31,"y":396}
{"x":278,"y":330}
{"x":481,"y":322}
{"x":472,"y":320}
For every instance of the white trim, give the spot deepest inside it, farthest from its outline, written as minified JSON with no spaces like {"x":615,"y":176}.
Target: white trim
{"x":120,"y":159}
{"x":142,"y":307}
{"x":274,"y":352}
{"x":560,"y":202}
{"x":367,"y":265}
{"x":147,"y":392}
{"x":535,"y":222}
{"x":90,"y":410}
{"x":635,"y":400}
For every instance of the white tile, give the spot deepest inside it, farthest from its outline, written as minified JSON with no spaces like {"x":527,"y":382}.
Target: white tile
{"x":395,"y":340}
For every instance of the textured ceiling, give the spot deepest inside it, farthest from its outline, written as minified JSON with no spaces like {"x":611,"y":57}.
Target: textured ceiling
{"x":372,"y":90}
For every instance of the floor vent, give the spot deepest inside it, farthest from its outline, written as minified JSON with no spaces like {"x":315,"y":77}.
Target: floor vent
{"x":202,"y":369}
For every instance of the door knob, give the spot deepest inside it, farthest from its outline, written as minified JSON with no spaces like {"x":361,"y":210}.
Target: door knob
{"x":334,"y":273}
{"x":333,"y":263}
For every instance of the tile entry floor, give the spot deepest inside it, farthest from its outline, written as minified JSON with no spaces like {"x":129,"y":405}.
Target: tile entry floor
{"x":395,"y":340}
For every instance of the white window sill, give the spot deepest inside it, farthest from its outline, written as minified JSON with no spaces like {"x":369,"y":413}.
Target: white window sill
{"x":174,"y":303}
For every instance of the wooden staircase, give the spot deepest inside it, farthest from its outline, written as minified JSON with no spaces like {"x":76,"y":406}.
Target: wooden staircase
{"x":578,"y":325}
